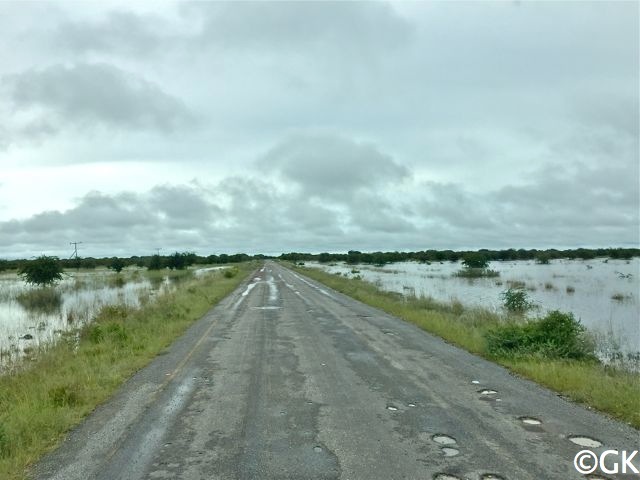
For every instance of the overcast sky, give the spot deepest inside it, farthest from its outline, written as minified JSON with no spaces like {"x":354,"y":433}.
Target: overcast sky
{"x":273,"y":127}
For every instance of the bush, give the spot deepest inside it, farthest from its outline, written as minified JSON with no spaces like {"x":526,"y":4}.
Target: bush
{"x":516,"y":300}
{"x":557,"y":335}
{"x":230,"y":272}
{"x":475,"y":260}
{"x":43,"y":270}
{"x":117,"y":264}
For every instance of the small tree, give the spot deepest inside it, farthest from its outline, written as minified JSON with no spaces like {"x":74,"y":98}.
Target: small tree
{"x":42,"y":271}
{"x":155,"y":263}
{"x":475,"y":260}
{"x":516,"y":300}
{"x":117,"y":264}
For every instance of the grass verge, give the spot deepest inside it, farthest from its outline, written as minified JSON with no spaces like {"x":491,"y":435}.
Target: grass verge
{"x":42,"y":401}
{"x":610,"y":390}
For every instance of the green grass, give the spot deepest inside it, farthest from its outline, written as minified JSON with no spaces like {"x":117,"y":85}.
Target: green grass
{"x":42,"y":401}
{"x":610,"y":390}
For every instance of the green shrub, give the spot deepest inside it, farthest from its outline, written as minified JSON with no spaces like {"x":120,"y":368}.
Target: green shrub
{"x":43,"y":270}
{"x":516,"y":300}
{"x":557,"y":335}
{"x":230,"y":272}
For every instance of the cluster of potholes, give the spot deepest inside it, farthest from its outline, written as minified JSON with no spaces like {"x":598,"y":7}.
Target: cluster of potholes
{"x":449,"y":445}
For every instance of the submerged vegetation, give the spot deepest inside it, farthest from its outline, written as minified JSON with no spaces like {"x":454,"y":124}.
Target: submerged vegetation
{"x":44,"y":299}
{"x":62,"y":383}
{"x":553,"y":350}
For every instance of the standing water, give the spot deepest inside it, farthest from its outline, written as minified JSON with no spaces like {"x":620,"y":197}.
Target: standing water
{"x":602,"y":294}
{"x":31,"y":317}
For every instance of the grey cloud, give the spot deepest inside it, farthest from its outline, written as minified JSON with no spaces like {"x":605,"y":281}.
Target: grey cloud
{"x":88,"y":95}
{"x":118,"y":32}
{"x":332,"y":167}
{"x":360,"y":26}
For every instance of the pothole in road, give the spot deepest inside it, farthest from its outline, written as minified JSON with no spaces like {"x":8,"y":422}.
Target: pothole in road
{"x":317,"y":449}
{"x":450,"y":451}
{"x":487,"y":391}
{"x":412,"y":404}
{"x":393,"y":408}
{"x":491,"y":476}
{"x":530,"y":421}
{"x":584,"y":441}
{"x":445,"y":476}
{"x":442,"y":439}
{"x":389,"y":333}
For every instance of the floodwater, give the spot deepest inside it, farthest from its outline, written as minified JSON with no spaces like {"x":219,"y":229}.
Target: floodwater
{"x":602,"y":294}
{"x":74,"y":302}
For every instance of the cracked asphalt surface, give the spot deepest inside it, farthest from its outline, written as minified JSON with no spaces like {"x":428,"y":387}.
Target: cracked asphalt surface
{"x":287,"y":379}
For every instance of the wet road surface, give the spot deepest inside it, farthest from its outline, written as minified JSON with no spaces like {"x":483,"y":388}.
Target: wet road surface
{"x":287,"y":379}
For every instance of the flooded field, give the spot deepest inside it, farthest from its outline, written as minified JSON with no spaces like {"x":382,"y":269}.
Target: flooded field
{"x":602,"y":293}
{"x":31,"y":317}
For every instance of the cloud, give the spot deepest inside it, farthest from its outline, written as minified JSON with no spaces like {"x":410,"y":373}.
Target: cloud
{"x":332,"y":167}
{"x":363,"y":26}
{"x":89,"y":95}
{"x":122,"y":32}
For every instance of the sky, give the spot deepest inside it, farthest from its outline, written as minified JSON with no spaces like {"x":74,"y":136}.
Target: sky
{"x":265,"y":127}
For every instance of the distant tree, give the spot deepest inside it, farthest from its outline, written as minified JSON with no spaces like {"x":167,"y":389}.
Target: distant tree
{"x":41,"y":271}
{"x":4,"y":265}
{"x":117,"y":264}
{"x":177,"y":261}
{"x":155,"y":263}
{"x":324,"y":257}
{"x":475,"y":260}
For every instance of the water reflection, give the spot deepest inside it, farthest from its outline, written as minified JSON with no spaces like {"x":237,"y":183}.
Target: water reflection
{"x":33,"y":316}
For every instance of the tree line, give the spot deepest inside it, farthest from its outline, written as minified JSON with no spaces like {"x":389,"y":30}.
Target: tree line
{"x":180,"y":260}
{"x":541,"y":256}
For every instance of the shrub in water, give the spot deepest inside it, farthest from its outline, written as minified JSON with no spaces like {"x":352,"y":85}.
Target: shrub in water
{"x":43,"y":270}
{"x":516,"y":300}
{"x":557,"y":335}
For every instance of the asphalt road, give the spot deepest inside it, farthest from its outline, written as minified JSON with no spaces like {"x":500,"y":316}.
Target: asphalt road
{"x":287,"y":379}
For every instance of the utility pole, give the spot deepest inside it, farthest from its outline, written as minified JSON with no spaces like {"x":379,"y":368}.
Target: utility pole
{"x":75,"y":253}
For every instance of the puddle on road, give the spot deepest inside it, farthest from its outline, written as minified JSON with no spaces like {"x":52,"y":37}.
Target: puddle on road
{"x":442,"y":439}
{"x":491,"y":476}
{"x":393,"y":408}
{"x":584,"y":441}
{"x":475,"y":382}
{"x":317,"y":449}
{"x":268,"y":307}
{"x":487,"y":391}
{"x":530,"y":421}
{"x":450,"y":451}
{"x":412,"y":404}
{"x":445,"y":476}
